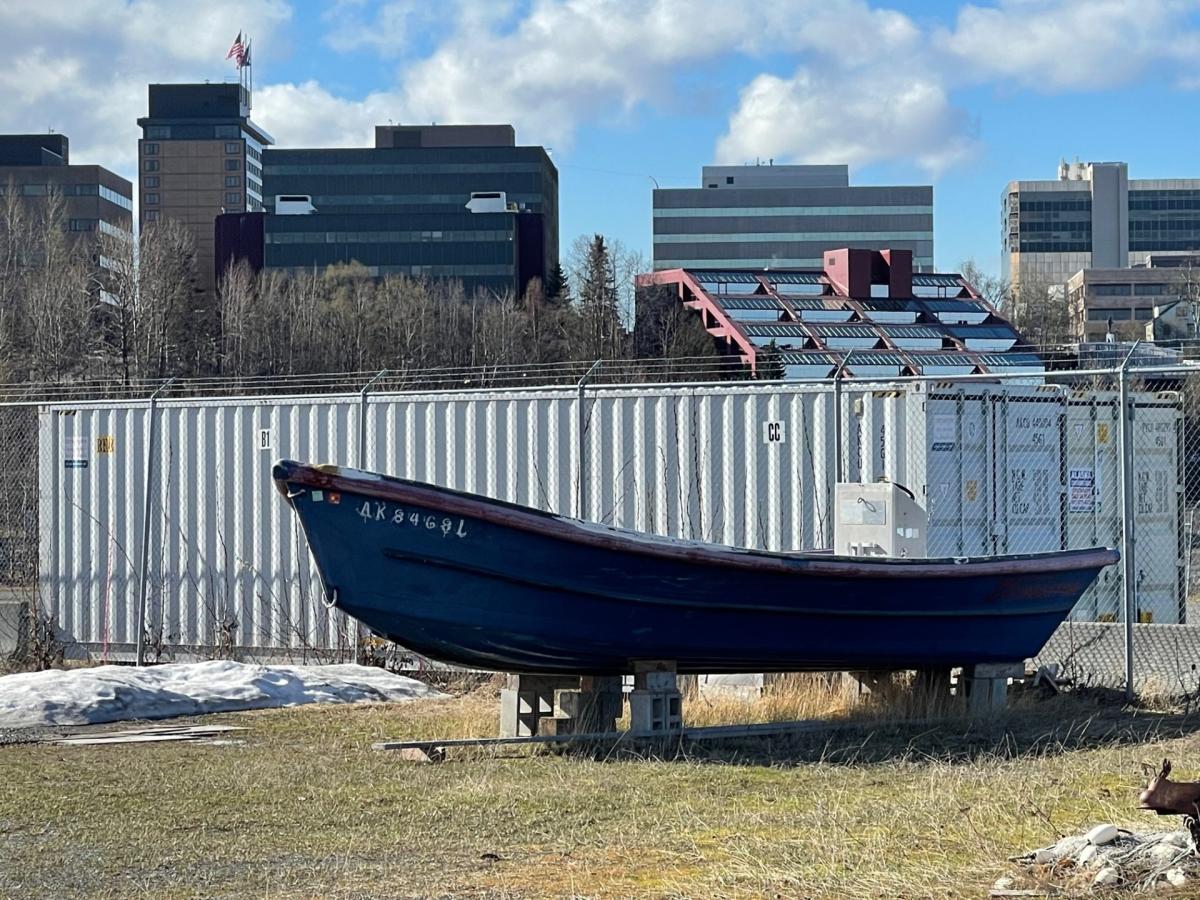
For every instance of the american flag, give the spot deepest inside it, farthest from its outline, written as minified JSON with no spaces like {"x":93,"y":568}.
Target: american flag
{"x":237,"y":51}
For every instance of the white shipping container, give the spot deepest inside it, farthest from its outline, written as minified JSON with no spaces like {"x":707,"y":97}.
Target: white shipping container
{"x":742,"y":464}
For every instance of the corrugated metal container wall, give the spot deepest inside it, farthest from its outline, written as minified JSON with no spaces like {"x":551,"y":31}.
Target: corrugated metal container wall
{"x":1094,"y":516}
{"x":90,"y":533}
{"x":228,"y":566}
{"x":748,"y":466}
{"x":517,"y":446}
{"x":691,"y":462}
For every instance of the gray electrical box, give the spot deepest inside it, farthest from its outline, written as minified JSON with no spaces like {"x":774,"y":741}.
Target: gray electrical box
{"x":878,"y":519}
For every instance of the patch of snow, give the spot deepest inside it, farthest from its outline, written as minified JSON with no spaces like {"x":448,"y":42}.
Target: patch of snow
{"x":113,"y":693}
{"x":1102,"y":834}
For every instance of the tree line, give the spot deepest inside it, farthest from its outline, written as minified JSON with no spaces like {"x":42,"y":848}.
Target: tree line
{"x":106,"y":307}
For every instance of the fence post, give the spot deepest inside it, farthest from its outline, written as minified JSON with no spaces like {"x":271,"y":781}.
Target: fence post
{"x":581,"y":449}
{"x":360,"y":630}
{"x":362,"y":418}
{"x":837,"y":418}
{"x":144,"y":561}
{"x":1128,"y":536}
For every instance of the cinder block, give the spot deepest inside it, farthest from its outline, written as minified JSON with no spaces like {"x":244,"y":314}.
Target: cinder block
{"x":655,"y":712}
{"x":987,"y":688}
{"x":528,"y":698}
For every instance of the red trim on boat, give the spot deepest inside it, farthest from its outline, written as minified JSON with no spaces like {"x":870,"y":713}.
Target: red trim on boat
{"x":509,"y":515}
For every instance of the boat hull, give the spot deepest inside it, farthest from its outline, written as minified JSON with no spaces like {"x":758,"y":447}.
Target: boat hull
{"x":486,"y":584}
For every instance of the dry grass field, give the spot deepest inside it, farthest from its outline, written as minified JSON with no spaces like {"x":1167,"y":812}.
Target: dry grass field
{"x":302,"y":806}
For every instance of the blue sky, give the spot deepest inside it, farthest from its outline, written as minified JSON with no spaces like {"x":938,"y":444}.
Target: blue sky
{"x":963,"y":96}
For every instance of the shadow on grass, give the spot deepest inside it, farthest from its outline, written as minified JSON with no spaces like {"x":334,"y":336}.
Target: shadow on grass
{"x":1029,"y":729}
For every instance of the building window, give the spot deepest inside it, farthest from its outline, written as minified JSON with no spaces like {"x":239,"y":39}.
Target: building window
{"x":233,"y":147}
{"x":113,"y":197}
{"x":152,"y":199}
{"x":233,"y":199}
{"x":150,"y":165}
{"x":233,"y":181}
{"x":82,"y":225}
{"x":158,"y":131}
{"x":233,"y":165}
{"x":150,"y":215}
{"x":729,"y":179}
{"x":151,"y":181}
{"x":150,"y":149}
{"x":226,"y":131}
{"x":33,"y":190}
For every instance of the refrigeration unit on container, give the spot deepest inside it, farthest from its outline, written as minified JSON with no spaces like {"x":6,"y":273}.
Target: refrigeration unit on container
{"x":880,"y":519}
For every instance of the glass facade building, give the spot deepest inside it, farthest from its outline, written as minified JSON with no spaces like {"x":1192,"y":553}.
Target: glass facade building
{"x":786,"y":217}
{"x":404,"y":209}
{"x":1094,"y":217}
{"x":95,"y":201}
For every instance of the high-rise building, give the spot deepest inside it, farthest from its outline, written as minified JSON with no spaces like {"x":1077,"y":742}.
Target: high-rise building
{"x":786,"y":217}
{"x":200,"y":155}
{"x":436,"y":201}
{"x":95,"y":200}
{"x":1093,"y":217}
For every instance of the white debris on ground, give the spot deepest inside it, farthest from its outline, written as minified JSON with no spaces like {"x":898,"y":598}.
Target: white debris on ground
{"x":1108,"y":857}
{"x":90,"y":696}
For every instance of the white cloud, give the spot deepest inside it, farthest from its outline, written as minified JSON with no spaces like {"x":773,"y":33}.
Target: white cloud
{"x":855,"y":119}
{"x":389,"y":32}
{"x":859,"y":83}
{"x":876,"y":87}
{"x":82,"y":67}
{"x":1067,"y":45}
{"x":307,"y":115}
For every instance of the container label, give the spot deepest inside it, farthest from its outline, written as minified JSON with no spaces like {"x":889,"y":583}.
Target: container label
{"x":945,"y":432}
{"x":106,"y":443}
{"x":774,"y":433}
{"x":1082,"y":490}
{"x":265,"y":439}
{"x":75,"y":452}
{"x":972,"y":490}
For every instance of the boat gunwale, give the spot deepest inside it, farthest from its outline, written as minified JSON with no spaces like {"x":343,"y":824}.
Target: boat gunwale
{"x":610,"y":538}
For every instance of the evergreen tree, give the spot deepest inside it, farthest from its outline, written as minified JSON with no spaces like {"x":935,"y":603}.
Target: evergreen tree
{"x":602,"y":336}
{"x":557,"y":289}
{"x":768,"y":363}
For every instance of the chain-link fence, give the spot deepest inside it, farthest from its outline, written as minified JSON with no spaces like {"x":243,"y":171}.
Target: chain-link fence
{"x":136,"y":526}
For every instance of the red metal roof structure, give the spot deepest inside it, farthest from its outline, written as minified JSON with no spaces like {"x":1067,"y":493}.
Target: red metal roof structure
{"x":865,"y":312}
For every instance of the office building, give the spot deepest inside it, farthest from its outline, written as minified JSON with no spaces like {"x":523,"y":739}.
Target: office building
{"x":438,"y":201}
{"x":95,"y":200}
{"x":1122,"y":301}
{"x":865,"y":313}
{"x":200,"y":155}
{"x":768,"y":216}
{"x":1094,"y":217}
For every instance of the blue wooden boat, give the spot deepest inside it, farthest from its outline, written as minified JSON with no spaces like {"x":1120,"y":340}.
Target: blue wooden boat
{"x":487,"y":584}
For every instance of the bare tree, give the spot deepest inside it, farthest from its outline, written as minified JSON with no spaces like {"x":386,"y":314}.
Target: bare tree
{"x":995,"y":289}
